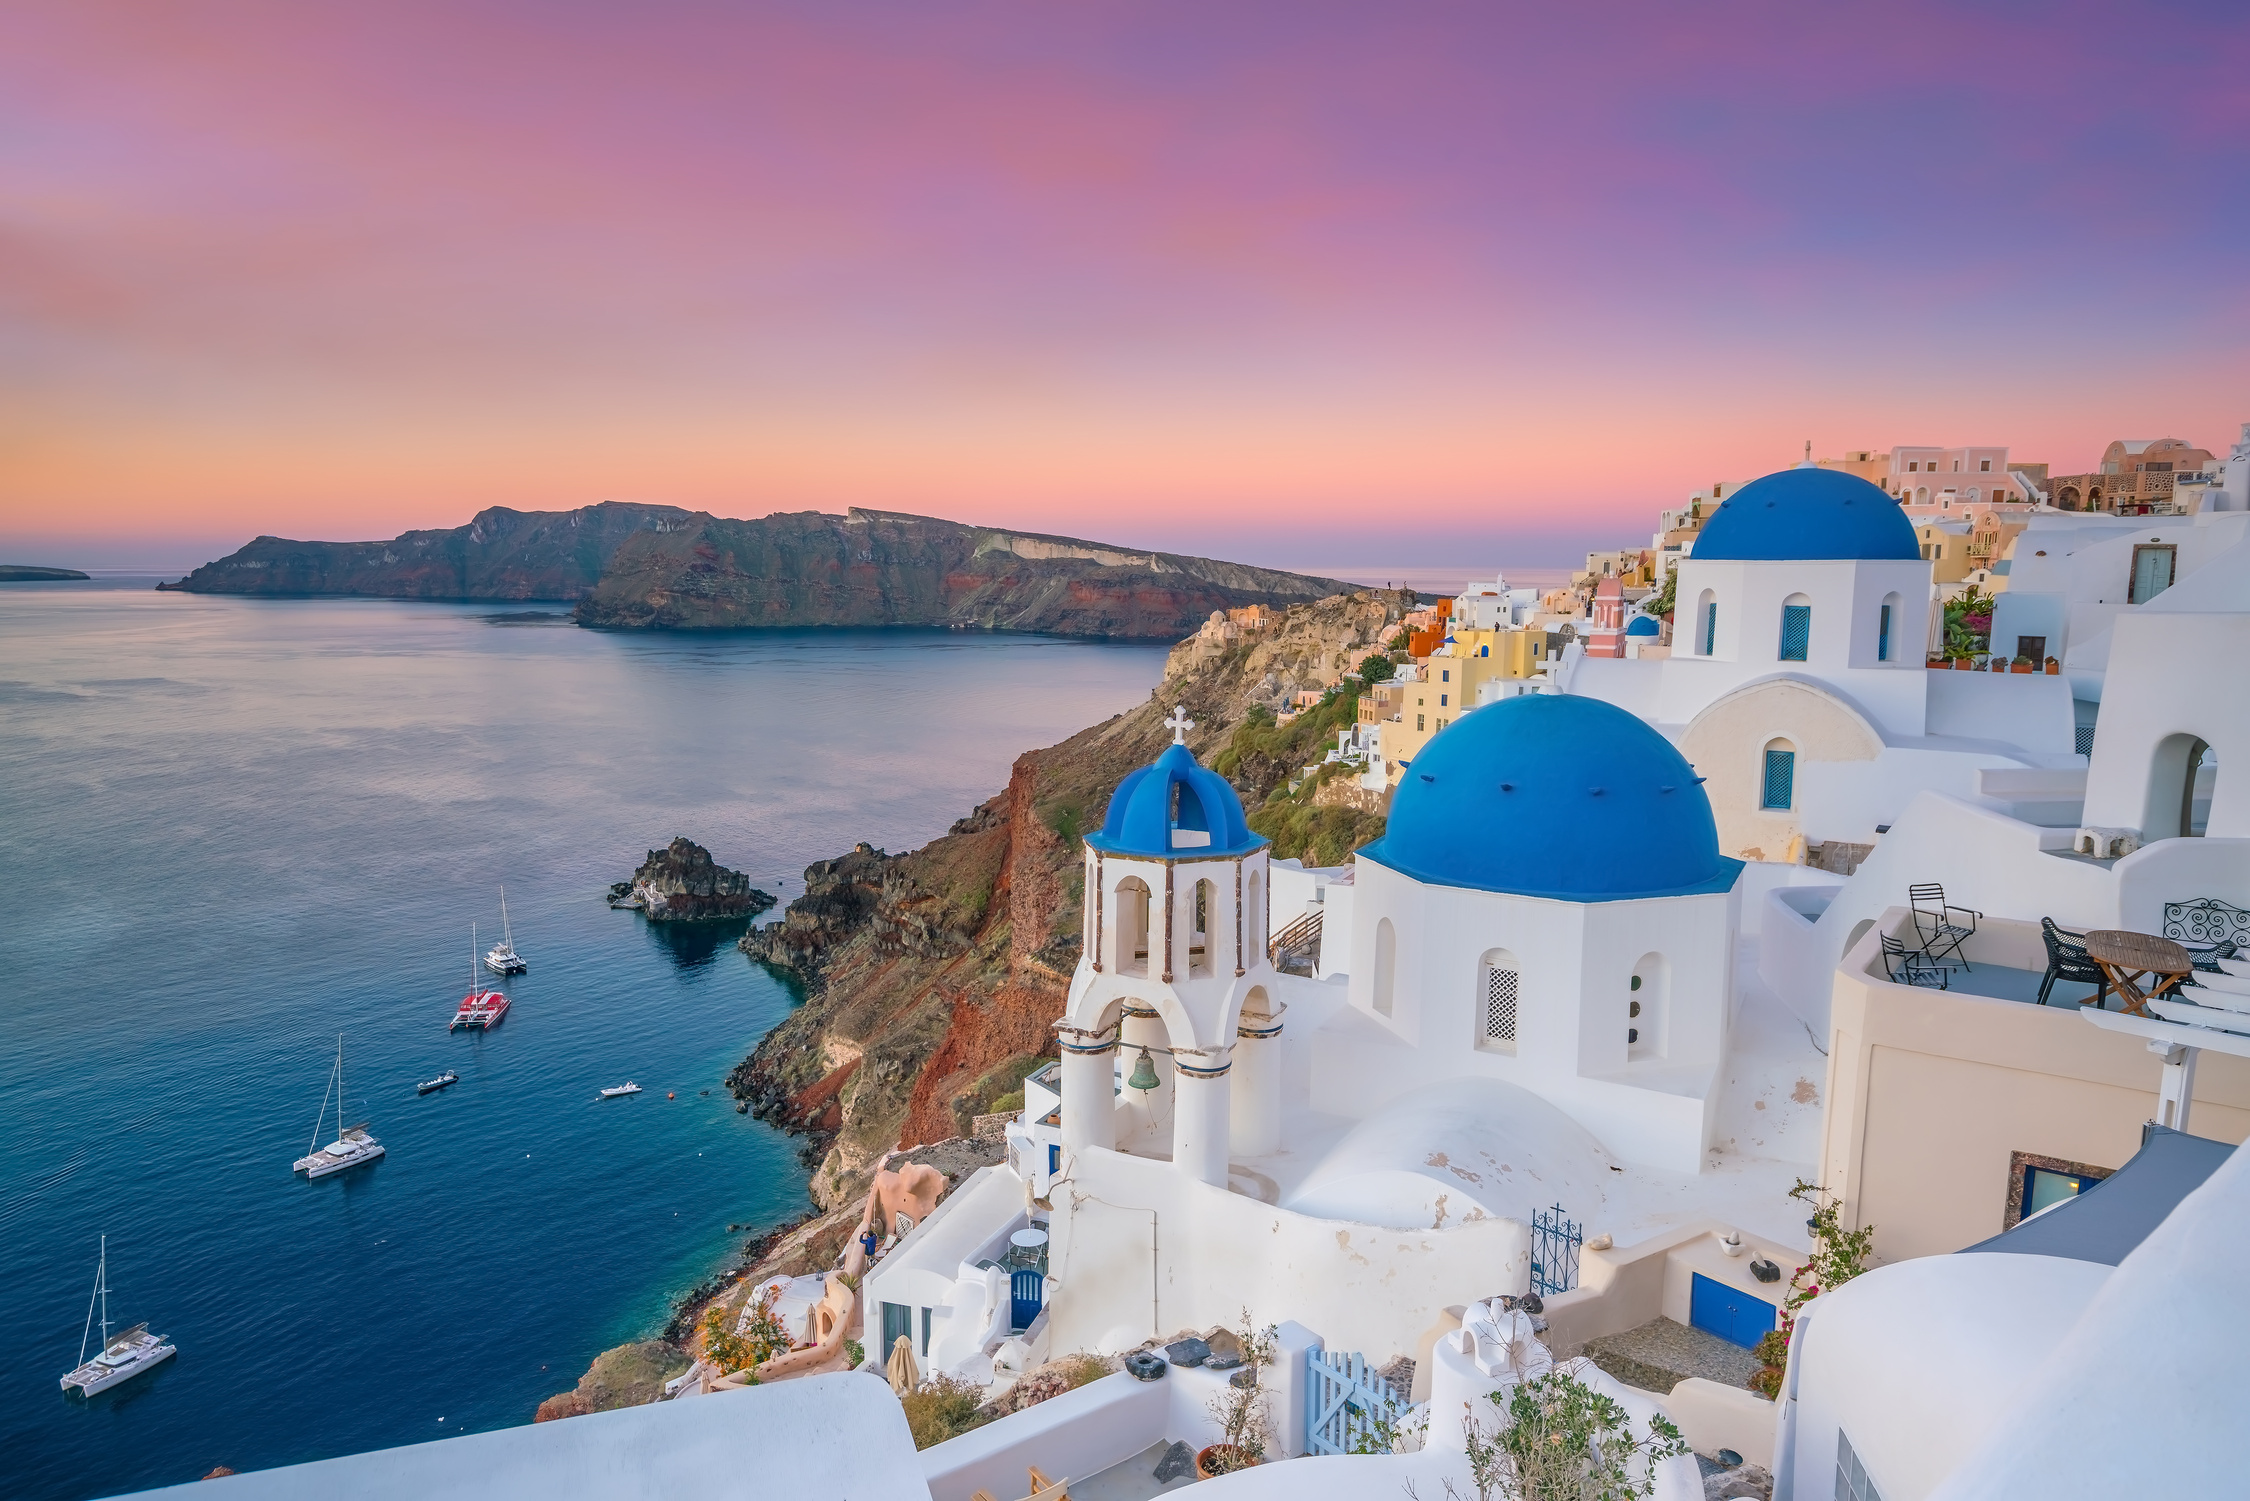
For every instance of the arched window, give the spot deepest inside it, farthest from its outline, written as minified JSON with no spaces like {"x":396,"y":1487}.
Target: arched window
{"x":1499,"y":997}
{"x":1132,"y":926}
{"x":2173,"y":808}
{"x":1921,"y":495}
{"x":1648,"y":1007}
{"x":1796,"y":628}
{"x":1386,"y":966}
{"x":1253,"y":919}
{"x":1707,"y":623}
{"x":1199,"y":933}
{"x":1780,"y":777}
{"x":1886,"y":621}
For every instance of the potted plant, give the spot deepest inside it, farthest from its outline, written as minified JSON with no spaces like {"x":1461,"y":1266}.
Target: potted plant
{"x":1240,"y":1407}
{"x":2022,"y":664}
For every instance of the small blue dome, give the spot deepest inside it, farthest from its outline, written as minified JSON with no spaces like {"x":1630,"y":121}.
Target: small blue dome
{"x":1643,"y":625}
{"x":1174,"y":807}
{"x":1554,"y":795}
{"x":1807,"y":515}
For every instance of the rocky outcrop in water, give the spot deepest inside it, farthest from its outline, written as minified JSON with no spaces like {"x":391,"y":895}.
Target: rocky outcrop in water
{"x":682,"y":883}
{"x":24,"y":573}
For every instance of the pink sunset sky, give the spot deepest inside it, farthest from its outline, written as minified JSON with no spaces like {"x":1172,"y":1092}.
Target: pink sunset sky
{"x":1318,"y":285}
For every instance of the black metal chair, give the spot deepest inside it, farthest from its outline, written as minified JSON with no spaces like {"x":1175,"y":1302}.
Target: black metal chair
{"x":1905,"y":966}
{"x":2067,"y":960}
{"x":1934,"y":923}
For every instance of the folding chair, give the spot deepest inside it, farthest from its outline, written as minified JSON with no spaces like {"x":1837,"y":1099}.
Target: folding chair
{"x":1907,"y":966}
{"x":1934,"y":923}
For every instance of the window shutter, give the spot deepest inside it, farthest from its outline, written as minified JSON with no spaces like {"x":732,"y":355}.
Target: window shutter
{"x":1781,"y":779}
{"x":1796,"y":631}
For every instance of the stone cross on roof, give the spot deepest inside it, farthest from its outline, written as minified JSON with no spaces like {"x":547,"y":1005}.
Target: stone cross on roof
{"x":1179,"y":724}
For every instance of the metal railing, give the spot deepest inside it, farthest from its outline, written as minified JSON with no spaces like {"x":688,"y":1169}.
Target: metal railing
{"x":1555,"y":1242}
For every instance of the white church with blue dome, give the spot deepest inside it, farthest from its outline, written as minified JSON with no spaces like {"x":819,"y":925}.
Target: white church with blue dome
{"x":1797,"y":682}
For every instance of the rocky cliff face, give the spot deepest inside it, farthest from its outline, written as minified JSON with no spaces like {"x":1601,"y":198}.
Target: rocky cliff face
{"x":682,"y":883}
{"x":933,"y":977}
{"x":502,"y":554}
{"x":638,"y":567}
{"x":884,"y":568}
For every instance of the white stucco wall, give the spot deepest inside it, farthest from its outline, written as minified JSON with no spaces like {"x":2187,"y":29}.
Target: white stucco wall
{"x":1140,"y":1249}
{"x":1577,"y":960}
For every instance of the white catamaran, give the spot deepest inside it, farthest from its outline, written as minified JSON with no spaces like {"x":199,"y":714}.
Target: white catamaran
{"x":352,"y":1145}
{"x":122,"y":1358}
{"x":502,"y":958}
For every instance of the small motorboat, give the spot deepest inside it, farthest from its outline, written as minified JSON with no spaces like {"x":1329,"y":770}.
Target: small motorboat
{"x":626,"y":1088}
{"x":449,"y":1077}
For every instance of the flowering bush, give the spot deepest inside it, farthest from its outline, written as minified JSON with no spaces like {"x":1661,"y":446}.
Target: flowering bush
{"x":1838,"y":1256}
{"x":758,"y":1339}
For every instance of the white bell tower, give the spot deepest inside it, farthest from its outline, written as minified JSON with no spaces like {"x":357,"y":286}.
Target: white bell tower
{"x":1171,"y":1039}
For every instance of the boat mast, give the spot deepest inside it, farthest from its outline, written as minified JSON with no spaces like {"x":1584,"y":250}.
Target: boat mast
{"x":333,"y":1076}
{"x":339,"y":1086}
{"x":101,"y":1292}
{"x":507,"y":933}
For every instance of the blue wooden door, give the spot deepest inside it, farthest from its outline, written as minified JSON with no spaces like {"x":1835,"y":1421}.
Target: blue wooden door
{"x":1732,"y":1315}
{"x":1026,"y":1291}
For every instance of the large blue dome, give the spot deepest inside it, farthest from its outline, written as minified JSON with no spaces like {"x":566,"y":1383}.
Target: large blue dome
{"x":1173,"y":807}
{"x":1554,"y":795}
{"x":1808,"y":515}
{"x":1643,"y":625}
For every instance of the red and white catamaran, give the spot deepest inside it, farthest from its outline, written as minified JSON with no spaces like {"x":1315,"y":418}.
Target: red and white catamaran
{"x":480,"y":1008}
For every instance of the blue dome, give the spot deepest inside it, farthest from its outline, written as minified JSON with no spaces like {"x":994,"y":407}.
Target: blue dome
{"x":1643,"y":625}
{"x":1808,"y":515}
{"x":1553,"y":795}
{"x":1173,"y":807}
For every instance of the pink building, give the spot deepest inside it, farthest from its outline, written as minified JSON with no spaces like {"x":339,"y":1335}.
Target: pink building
{"x":1606,"y":636}
{"x":1941,"y":481}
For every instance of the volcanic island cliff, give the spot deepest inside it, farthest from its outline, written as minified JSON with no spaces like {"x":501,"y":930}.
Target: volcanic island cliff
{"x":632,"y":566}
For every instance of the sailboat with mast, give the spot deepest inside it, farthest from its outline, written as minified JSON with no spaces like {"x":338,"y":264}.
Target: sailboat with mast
{"x":121,"y":1358}
{"x":352,"y":1145}
{"x":480,"y":1008}
{"x":502,"y":958}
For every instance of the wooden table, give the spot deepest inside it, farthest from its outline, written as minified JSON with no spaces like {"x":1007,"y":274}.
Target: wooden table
{"x":2125,"y":957}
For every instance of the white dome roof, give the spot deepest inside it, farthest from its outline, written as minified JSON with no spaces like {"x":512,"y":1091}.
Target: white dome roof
{"x":1462,"y":1149}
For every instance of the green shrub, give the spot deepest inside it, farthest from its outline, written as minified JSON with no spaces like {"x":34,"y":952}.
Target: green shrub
{"x":940,"y":1408}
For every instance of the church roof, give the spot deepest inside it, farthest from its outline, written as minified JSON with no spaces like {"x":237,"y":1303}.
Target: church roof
{"x":1807,"y":514}
{"x":1643,"y":625}
{"x":1559,"y":796}
{"x":1174,"y":806}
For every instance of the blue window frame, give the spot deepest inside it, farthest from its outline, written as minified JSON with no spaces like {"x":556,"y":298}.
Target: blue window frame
{"x":925,"y":1334}
{"x":898,"y":1322}
{"x":1781,"y":780}
{"x":2043,"y":1188}
{"x":1710,"y":627}
{"x":1054,"y":1158}
{"x":1883,"y":636}
{"x":1796,"y":631}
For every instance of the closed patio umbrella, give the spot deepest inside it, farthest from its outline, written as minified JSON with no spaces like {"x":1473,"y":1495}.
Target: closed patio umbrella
{"x":905,"y":1376}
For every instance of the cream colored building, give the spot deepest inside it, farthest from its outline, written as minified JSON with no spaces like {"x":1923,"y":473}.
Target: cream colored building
{"x":1939,"y":1100}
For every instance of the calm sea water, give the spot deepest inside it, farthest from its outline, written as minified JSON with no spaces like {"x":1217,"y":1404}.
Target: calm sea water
{"x":231,"y":829}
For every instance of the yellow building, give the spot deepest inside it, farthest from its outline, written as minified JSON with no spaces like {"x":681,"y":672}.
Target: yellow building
{"x":1448,"y":685}
{"x":1973,"y":544}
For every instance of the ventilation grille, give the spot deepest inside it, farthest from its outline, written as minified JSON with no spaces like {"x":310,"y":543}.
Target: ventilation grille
{"x":1500,"y":1005}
